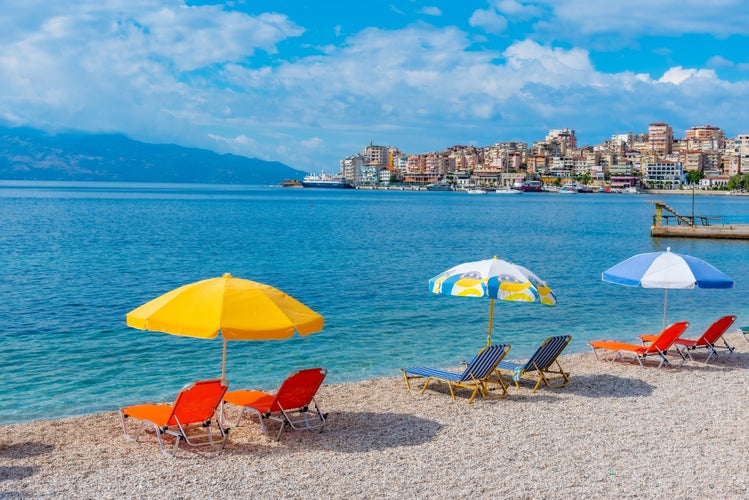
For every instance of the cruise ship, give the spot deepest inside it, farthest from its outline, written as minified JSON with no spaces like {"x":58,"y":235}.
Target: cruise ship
{"x":324,"y":180}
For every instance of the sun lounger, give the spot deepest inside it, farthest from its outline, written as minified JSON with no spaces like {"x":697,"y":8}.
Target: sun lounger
{"x":659,"y":347}
{"x":744,"y":330}
{"x":476,"y":375}
{"x":293,"y":404}
{"x":706,"y":341}
{"x":189,"y":418}
{"x":540,"y":366}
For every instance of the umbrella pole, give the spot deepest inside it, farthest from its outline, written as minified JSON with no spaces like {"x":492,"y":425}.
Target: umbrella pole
{"x":665,"y":304}
{"x":223,"y":363}
{"x":491,"y":320}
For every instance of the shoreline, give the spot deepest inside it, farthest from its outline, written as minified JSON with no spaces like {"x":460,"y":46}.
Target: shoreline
{"x":616,"y":429}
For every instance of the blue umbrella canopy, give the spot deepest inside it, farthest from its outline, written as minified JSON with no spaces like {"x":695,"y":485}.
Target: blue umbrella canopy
{"x":666,"y":270}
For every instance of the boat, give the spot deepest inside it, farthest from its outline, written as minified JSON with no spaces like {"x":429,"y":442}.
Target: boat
{"x":476,"y":190}
{"x":442,"y":185}
{"x":529,"y":186}
{"x":569,"y":188}
{"x":292,"y":183}
{"x":508,"y":190}
{"x":324,"y":180}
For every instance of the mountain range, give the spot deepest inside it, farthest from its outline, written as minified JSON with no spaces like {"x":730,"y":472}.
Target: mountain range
{"x":29,"y":154}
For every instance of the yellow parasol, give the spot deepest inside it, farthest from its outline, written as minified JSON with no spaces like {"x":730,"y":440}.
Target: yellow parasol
{"x":236,"y":308}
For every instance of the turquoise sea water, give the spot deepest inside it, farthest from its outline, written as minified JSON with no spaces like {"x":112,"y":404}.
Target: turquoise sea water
{"x":77,"y":257}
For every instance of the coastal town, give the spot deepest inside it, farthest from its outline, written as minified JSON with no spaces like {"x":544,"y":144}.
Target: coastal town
{"x":704,"y":159}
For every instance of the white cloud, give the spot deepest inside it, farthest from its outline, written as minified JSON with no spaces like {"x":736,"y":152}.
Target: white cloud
{"x":550,"y":66}
{"x":432,"y":11}
{"x":488,"y":20}
{"x":515,"y":9}
{"x":719,"y":62}
{"x":679,"y":75}
{"x":313,"y":143}
{"x":646,"y":17}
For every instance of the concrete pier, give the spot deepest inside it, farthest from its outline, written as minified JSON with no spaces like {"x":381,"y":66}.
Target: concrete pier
{"x":694,"y":226}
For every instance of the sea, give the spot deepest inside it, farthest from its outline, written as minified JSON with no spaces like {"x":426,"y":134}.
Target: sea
{"x":77,"y":257}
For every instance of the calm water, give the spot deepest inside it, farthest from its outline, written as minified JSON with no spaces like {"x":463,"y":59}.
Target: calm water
{"x":77,"y":257}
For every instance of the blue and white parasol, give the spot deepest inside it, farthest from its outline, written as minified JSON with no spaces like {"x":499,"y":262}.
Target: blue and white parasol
{"x":496,"y":279}
{"x":666,"y":270}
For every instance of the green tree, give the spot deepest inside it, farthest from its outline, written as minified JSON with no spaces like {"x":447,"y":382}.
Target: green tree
{"x":694,"y":176}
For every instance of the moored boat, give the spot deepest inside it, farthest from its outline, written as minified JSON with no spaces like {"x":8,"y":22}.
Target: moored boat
{"x":508,"y":190}
{"x":528,"y":186}
{"x":442,"y":185}
{"x":476,"y":190}
{"x":324,"y":180}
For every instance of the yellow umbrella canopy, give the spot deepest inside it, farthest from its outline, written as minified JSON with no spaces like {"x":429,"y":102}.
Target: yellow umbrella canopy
{"x":238,"y":309}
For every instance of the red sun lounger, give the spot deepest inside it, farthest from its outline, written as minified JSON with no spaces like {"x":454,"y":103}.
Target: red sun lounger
{"x":659,"y":347}
{"x":293,"y":404}
{"x":189,"y":418}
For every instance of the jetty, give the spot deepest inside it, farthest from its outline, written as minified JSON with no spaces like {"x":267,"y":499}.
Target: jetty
{"x":668,"y":223}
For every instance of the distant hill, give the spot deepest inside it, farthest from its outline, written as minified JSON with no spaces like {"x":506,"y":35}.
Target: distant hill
{"x":27,"y":154}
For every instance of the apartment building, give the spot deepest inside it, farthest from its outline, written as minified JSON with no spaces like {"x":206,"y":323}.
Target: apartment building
{"x":660,"y":138}
{"x":664,"y":175}
{"x":705,"y":138}
{"x":378,"y":155}
{"x":564,"y":136}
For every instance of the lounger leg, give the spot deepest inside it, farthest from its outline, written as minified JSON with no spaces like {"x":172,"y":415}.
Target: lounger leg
{"x":501,"y":383}
{"x":128,"y":437}
{"x":174,"y":449}
{"x":239,"y":416}
{"x":406,"y":378}
{"x":473,"y":395}
{"x":730,"y":349}
{"x":280,"y":431}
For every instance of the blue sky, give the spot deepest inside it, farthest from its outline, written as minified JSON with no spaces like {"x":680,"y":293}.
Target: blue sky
{"x":308,"y":83}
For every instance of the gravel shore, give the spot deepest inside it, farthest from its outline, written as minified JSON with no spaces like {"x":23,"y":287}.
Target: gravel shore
{"x":616,"y":430}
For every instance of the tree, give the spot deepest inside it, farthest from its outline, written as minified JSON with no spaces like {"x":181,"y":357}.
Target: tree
{"x":694,"y":176}
{"x":739,"y":182}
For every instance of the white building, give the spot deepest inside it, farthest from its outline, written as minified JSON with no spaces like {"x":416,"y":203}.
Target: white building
{"x":664,"y":175}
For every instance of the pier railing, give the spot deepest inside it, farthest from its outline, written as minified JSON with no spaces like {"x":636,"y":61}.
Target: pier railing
{"x":662,"y":219}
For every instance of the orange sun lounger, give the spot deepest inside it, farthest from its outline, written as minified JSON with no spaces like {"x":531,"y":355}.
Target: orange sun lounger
{"x":293,"y":404}
{"x":189,"y":418}
{"x":660,"y":345}
{"x":706,"y":341}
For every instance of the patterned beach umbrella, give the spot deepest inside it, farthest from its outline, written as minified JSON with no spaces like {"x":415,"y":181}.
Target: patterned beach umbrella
{"x":666,"y":270}
{"x":237,"y":309}
{"x":496,"y":279}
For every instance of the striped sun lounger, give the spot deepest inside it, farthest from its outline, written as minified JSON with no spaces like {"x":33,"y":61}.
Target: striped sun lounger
{"x":540,"y":365}
{"x":476,"y":375}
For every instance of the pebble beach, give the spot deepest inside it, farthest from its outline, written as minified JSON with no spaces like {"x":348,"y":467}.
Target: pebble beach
{"x":617,"y":430}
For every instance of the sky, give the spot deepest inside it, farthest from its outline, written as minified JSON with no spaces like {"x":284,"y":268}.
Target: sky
{"x":309,"y":83}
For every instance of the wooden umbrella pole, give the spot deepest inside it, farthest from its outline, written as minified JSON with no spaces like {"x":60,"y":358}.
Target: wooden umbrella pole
{"x":491,"y":321}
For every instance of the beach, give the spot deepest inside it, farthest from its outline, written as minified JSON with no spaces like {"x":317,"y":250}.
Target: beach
{"x":616,"y":430}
